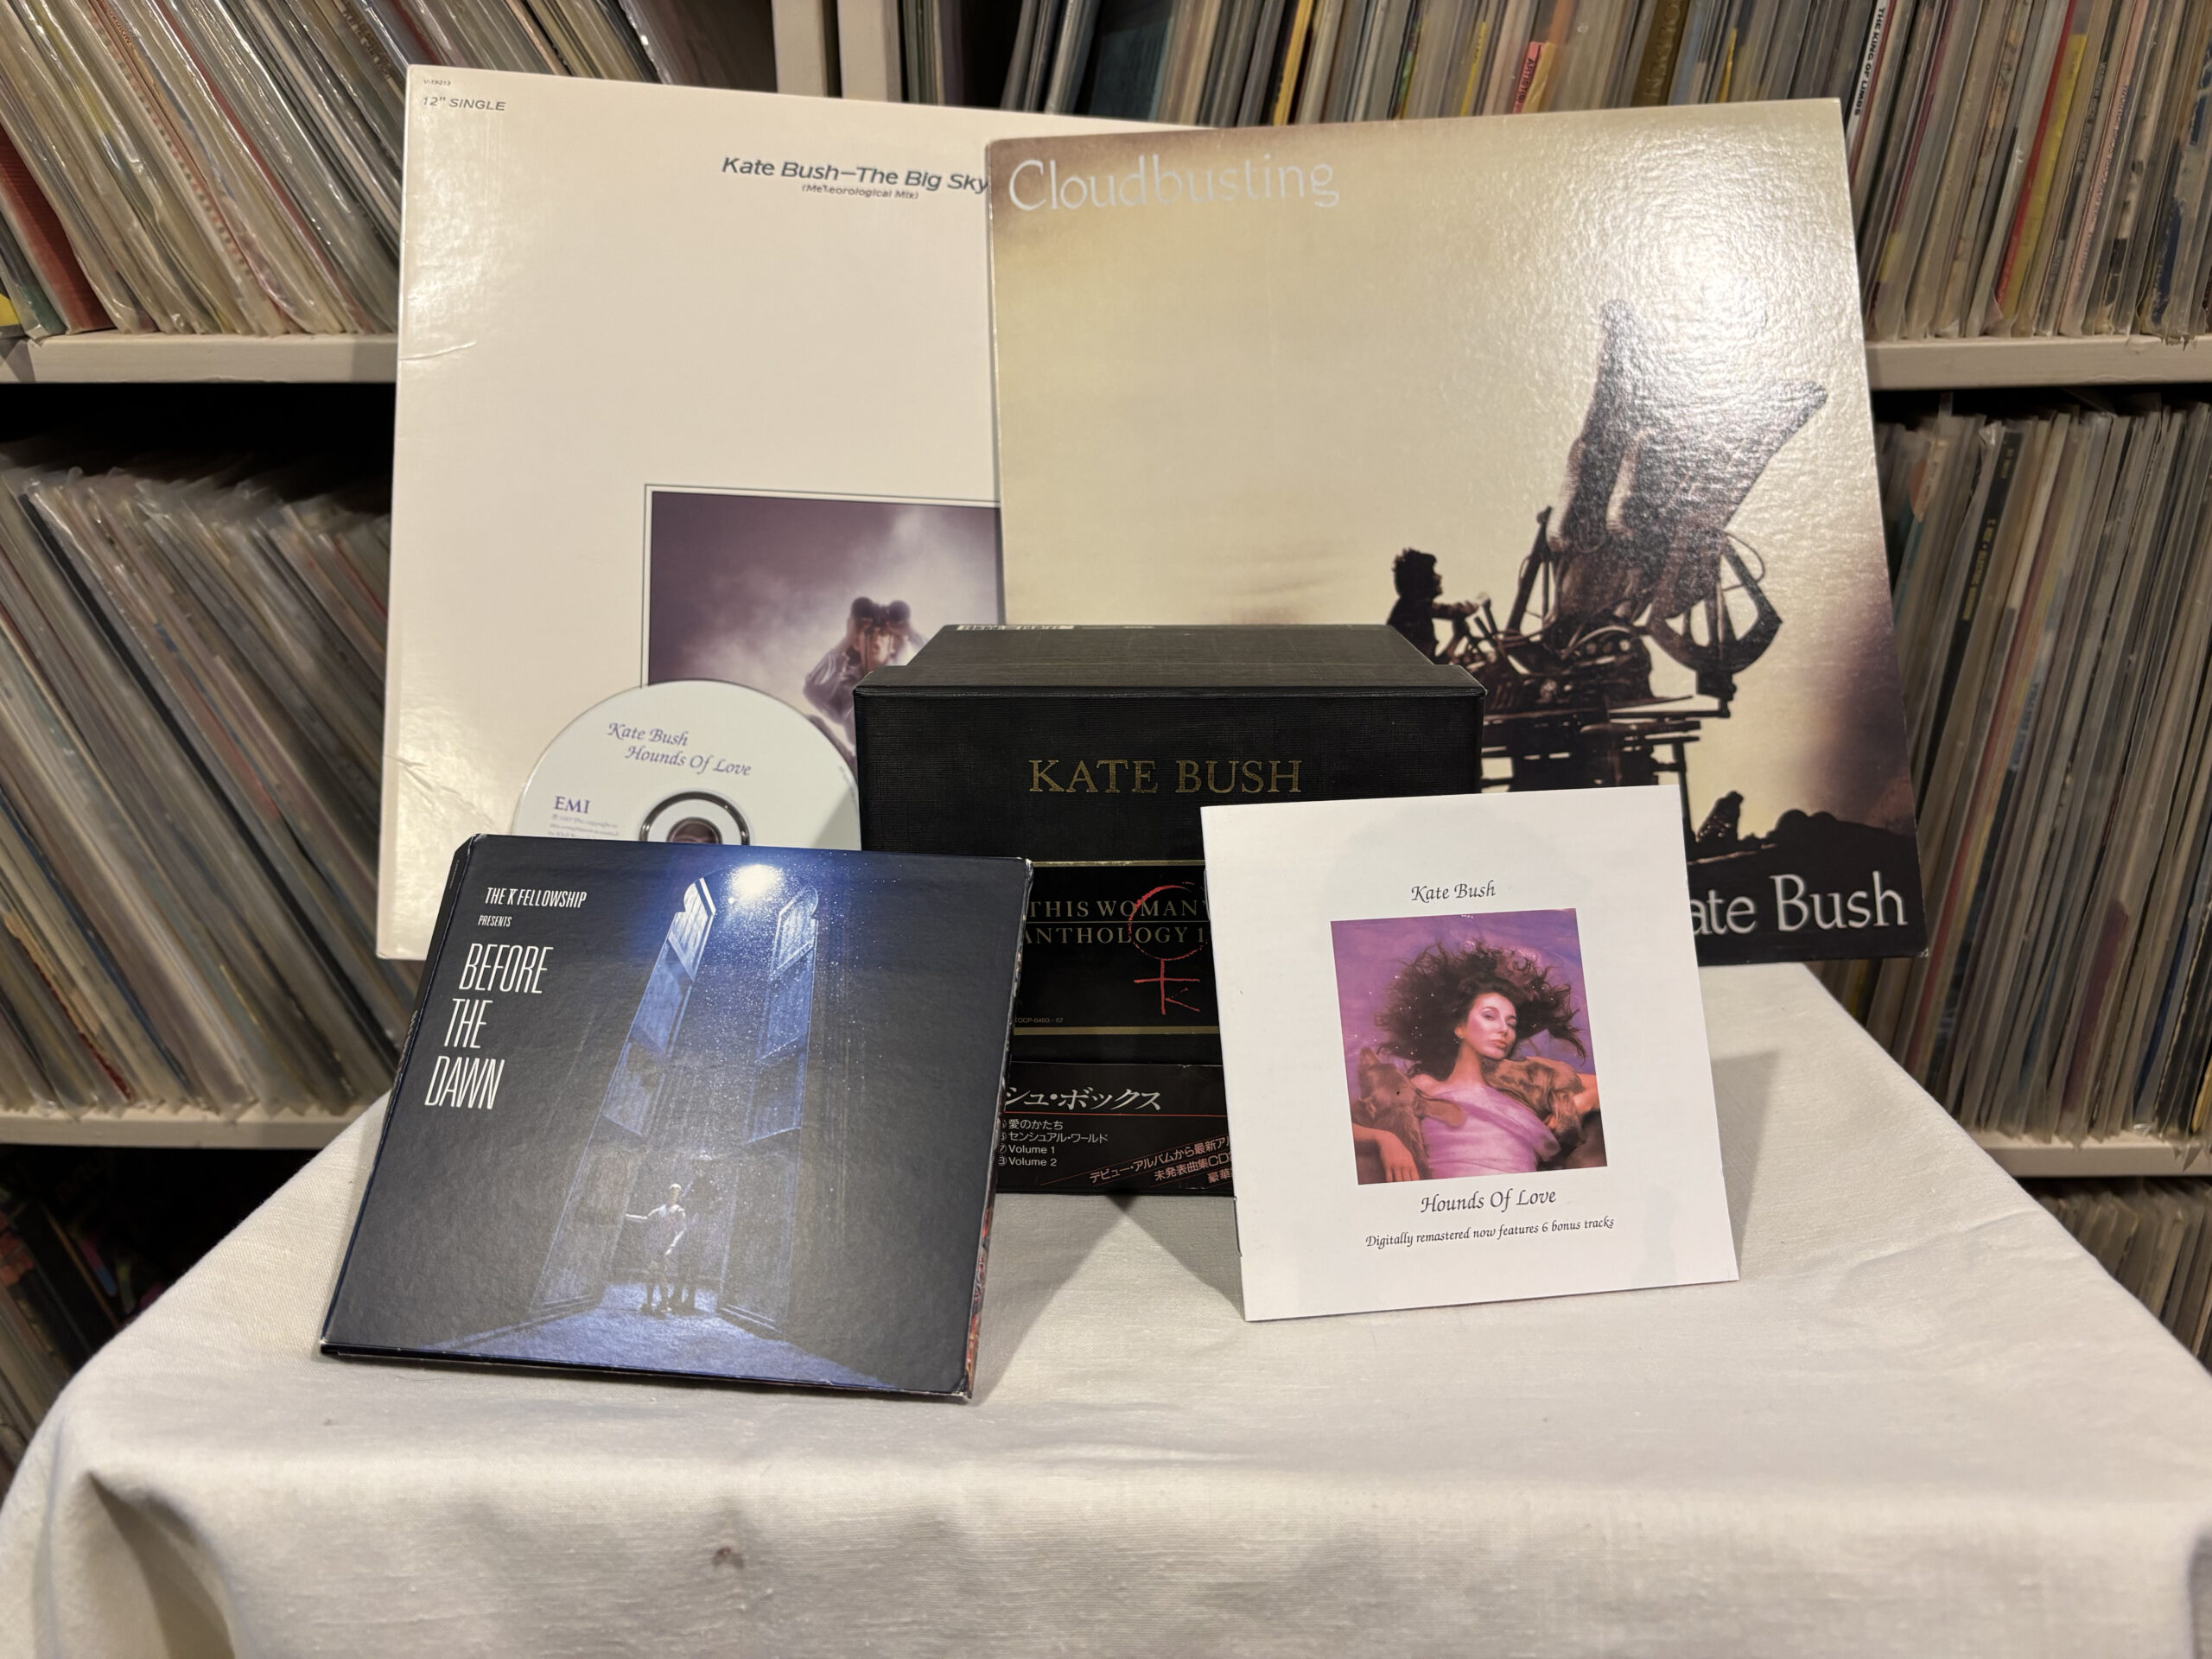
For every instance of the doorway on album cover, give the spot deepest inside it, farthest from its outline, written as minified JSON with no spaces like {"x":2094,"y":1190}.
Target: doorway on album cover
{"x":582,"y":1257}
{"x":756,"y":1281}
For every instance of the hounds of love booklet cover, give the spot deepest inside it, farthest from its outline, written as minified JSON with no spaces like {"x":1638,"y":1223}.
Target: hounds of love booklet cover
{"x":694,"y":385}
{"x":1578,"y":402}
{"x":1465,"y":1050}
{"x":721,"y":1111}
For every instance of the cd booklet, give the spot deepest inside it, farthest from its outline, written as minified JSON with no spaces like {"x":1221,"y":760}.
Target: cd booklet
{"x":721,"y":1111}
{"x":1465,"y":1050}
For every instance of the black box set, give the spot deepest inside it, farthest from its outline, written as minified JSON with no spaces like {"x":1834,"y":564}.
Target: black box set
{"x":1090,"y":752}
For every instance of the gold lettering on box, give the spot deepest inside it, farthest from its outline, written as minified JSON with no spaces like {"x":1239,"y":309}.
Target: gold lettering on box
{"x":1209,"y":777}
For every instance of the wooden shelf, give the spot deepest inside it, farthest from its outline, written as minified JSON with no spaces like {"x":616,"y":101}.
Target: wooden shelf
{"x":2104,"y":360}
{"x":2131,"y":1154}
{"x":139,"y":1127}
{"x":1891,"y":365}
{"x":79,"y":359}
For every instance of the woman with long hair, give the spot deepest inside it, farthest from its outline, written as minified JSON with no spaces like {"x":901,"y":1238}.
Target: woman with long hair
{"x":1458,"y":1016}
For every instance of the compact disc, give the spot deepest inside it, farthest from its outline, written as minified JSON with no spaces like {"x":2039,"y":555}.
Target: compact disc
{"x":693,"y":760}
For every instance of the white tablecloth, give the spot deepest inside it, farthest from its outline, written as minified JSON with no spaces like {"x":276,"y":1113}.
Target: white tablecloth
{"x":1924,"y":1422}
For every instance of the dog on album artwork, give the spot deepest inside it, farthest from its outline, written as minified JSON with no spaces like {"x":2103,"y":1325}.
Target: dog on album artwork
{"x":1468,"y":1047}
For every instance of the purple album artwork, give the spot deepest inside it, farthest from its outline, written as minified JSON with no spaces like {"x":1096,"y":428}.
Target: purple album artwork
{"x":799,"y":596}
{"x":1467,"y":1045}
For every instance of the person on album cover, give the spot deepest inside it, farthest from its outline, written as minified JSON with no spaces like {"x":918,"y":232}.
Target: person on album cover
{"x":1459,"y":1016}
{"x":698,"y":1207}
{"x":875,"y":636}
{"x":1420,"y":604}
{"x":893,"y":635}
{"x":829,"y":683}
{"x":664,"y":1232}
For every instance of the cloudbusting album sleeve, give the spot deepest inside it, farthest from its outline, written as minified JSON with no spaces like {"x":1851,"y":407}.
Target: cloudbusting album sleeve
{"x":1577,"y":401}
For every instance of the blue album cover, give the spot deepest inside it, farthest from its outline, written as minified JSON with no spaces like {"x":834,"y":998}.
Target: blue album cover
{"x":721,"y":1111}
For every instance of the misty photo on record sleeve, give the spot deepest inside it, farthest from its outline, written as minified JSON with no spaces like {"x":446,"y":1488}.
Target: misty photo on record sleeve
{"x":799,"y":596}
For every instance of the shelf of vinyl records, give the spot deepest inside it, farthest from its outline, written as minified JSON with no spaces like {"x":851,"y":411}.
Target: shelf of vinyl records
{"x":1891,"y":364}
{"x":255,"y":1128}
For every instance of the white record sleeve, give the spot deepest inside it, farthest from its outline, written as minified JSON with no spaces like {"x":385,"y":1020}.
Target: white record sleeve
{"x":694,"y":384}
{"x":1464,"y":1049}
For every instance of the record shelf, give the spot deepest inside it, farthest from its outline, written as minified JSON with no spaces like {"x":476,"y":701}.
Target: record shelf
{"x":2055,"y":362}
{"x":1891,"y":365}
{"x":115,"y":358}
{"x":324,"y":401}
{"x":258,"y":1128}
{"x":1904,"y":367}
{"x":2120,"y":1155}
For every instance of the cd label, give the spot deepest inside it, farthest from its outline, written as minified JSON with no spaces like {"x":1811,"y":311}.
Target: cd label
{"x":693,"y":761}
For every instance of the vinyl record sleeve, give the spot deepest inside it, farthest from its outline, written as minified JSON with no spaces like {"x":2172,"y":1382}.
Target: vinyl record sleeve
{"x":1576,"y":401}
{"x":719,"y":1111}
{"x":790,"y":417}
{"x":1465,"y":1050}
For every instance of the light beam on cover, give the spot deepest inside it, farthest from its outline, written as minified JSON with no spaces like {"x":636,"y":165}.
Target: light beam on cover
{"x":752,"y":882}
